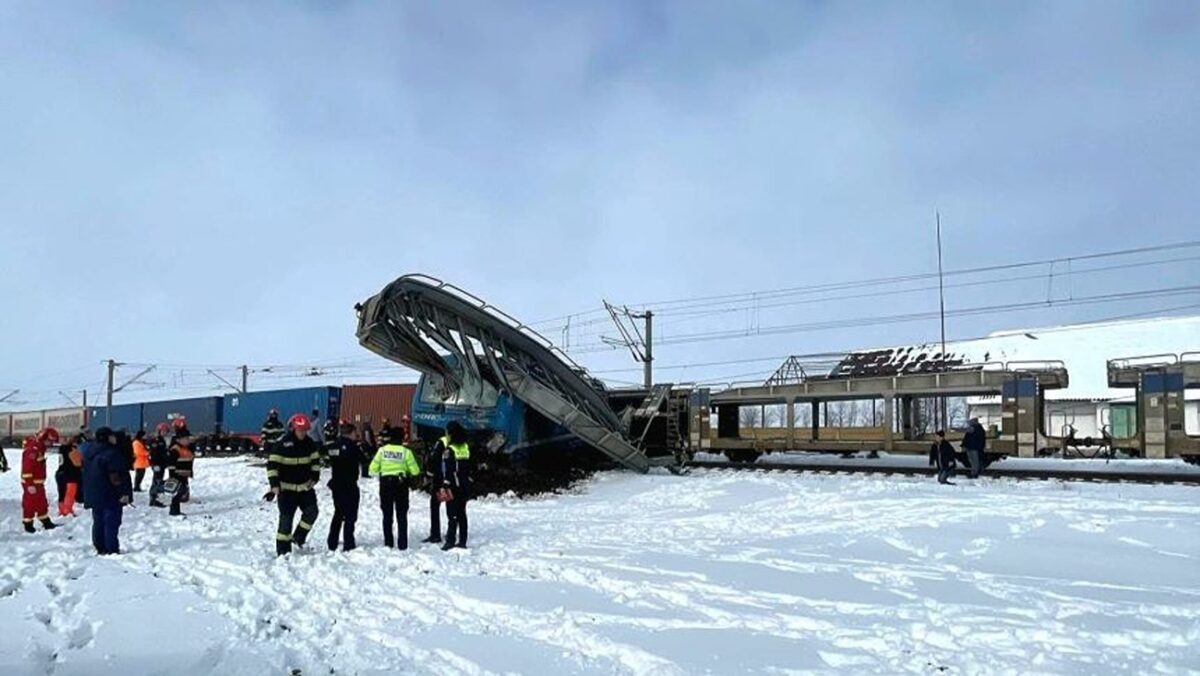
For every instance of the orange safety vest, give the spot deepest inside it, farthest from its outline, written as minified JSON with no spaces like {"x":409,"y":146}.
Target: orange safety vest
{"x":141,"y":456}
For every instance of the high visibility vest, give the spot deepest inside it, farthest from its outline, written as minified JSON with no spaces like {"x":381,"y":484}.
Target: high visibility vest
{"x":395,"y":460}
{"x":461,"y":451}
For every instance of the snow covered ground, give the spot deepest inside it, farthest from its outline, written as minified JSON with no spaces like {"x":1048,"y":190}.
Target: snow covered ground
{"x":716,"y":572}
{"x":908,"y":460}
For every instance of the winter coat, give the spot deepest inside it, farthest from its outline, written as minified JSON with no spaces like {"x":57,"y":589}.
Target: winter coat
{"x":105,"y":476}
{"x":942,"y":454}
{"x":345,"y":463}
{"x":33,"y":462}
{"x":456,"y":468}
{"x":294,"y":465}
{"x":272,"y":432}
{"x":180,"y":460}
{"x":159,"y":456}
{"x":395,"y":460}
{"x":141,"y":455}
{"x":975,"y":438}
{"x":70,"y":466}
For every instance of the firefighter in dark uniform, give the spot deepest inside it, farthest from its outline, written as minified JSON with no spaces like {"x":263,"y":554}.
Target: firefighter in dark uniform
{"x":272,"y":431}
{"x":293,"y":468}
{"x":346,"y":460}
{"x":456,"y":476}
{"x":330,"y":435}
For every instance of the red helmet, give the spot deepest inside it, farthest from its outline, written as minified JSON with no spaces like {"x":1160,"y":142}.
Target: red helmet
{"x":299,"y":422}
{"x":179,"y":423}
{"x":163,"y":428}
{"x":48,"y":436}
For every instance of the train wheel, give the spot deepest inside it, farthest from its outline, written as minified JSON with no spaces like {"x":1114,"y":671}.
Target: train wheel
{"x":742,"y":456}
{"x":1191,"y":459}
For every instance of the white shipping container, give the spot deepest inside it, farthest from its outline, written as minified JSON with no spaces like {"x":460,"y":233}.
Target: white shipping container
{"x":67,"y":421}
{"x":26,"y":424}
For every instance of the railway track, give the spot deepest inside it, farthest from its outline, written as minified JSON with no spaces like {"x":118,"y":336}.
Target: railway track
{"x":991,"y":471}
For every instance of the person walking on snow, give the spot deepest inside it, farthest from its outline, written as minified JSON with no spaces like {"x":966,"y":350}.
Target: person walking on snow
{"x":141,"y":460}
{"x":159,"y":458}
{"x":456,"y":478}
{"x":181,"y":463}
{"x":69,"y":478}
{"x":345,"y":459}
{"x":34,"y":506}
{"x":974,"y":444}
{"x":272,"y":431}
{"x":293,"y":468}
{"x":942,"y":453}
{"x":106,"y":490}
{"x":396,"y":466}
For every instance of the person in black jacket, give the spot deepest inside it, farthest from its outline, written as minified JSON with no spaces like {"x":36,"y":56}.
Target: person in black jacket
{"x":159,"y":459}
{"x":293,"y":468}
{"x":272,"y":431}
{"x":368,"y":447}
{"x":942,"y":453}
{"x":456,"y":477}
{"x":345,"y":460}
{"x":432,"y":463}
{"x":974,"y":444}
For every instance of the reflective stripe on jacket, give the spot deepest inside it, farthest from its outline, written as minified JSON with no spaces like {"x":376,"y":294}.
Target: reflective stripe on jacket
{"x":395,"y":460}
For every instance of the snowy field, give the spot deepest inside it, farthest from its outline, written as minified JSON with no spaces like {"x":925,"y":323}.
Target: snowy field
{"x":716,"y":572}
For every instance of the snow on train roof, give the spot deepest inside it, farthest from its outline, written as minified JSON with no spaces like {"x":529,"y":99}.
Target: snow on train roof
{"x":1084,"y":348}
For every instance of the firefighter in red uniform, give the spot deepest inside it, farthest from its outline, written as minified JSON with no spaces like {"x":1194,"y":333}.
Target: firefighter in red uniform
{"x":34,"y":506}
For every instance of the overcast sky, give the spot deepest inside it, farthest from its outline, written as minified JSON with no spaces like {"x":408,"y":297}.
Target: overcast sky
{"x":215,"y":183}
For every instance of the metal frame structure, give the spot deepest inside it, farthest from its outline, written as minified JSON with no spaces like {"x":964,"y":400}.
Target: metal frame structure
{"x":414,"y":317}
{"x":1021,"y":385}
{"x":1160,"y":381}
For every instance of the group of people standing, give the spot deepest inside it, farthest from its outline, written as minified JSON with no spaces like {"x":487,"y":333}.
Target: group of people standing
{"x":96,"y":467}
{"x":973,"y":455}
{"x":295,"y":460}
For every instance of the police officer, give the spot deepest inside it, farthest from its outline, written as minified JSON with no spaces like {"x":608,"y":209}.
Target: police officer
{"x":272,"y":431}
{"x":396,"y":466}
{"x":345,"y":460}
{"x":293,"y":468}
{"x":456,"y":476}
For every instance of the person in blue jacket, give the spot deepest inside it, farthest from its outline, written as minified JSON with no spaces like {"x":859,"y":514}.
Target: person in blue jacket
{"x":106,"y":490}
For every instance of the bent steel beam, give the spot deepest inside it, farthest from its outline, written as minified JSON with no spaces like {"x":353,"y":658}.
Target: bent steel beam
{"x":414,"y":317}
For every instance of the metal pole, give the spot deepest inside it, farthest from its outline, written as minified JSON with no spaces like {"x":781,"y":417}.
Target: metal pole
{"x":245,"y":379}
{"x":941,"y":309}
{"x":112,"y":368}
{"x":647,"y":375}
{"x":85,"y":398}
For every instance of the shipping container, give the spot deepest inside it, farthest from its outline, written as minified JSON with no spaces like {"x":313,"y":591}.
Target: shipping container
{"x":68,"y":421}
{"x":372,"y":403}
{"x":26,"y":424}
{"x":203,"y":414}
{"x":245,"y":413}
{"x":124,"y":416}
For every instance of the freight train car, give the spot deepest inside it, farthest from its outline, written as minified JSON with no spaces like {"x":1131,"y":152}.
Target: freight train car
{"x":363,"y":404}
{"x":243,"y":413}
{"x":121,"y":416}
{"x":203,"y":414}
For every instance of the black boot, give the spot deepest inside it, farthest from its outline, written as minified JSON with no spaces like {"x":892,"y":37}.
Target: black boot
{"x":433,"y":539}
{"x":47,"y":524}
{"x":29,"y":527}
{"x":448,"y":545}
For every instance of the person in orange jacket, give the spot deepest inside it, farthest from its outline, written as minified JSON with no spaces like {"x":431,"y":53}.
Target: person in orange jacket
{"x":69,"y":477}
{"x":141,"y":460}
{"x":34,"y":506}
